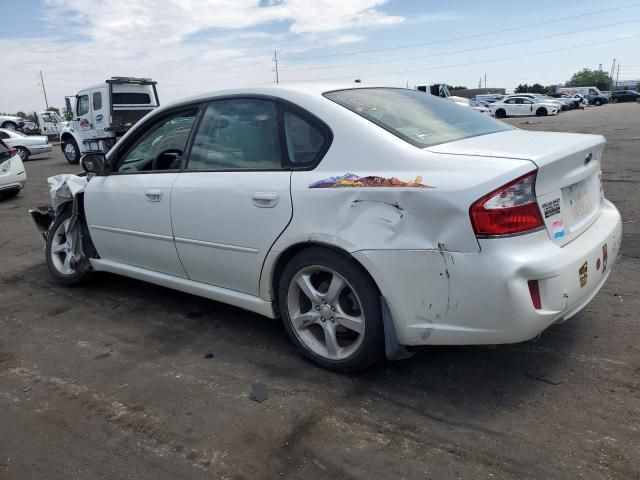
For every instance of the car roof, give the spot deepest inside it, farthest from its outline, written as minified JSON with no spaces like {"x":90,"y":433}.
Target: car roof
{"x":283,"y":90}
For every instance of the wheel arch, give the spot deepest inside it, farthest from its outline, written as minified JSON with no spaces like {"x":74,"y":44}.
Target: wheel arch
{"x":274,"y":272}
{"x":67,"y":136}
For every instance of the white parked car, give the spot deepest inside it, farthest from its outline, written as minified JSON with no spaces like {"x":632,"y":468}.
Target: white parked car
{"x":522,"y":106}
{"x":13,"y":178}
{"x":10,"y":122}
{"x":26,"y":145}
{"x":364,"y":217}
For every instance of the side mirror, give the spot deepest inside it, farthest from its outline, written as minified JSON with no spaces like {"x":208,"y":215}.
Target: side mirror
{"x":94,"y":163}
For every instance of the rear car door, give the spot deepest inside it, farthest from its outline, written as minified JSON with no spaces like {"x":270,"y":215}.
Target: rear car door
{"x":232,"y":200}
{"x":129,"y":210}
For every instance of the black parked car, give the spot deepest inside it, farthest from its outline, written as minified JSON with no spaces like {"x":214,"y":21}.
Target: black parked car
{"x":625,"y":96}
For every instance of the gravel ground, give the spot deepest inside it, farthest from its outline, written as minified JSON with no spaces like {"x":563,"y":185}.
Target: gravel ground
{"x":110,"y":380}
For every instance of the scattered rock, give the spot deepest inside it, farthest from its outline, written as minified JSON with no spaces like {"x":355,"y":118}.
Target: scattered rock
{"x":258,"y":392}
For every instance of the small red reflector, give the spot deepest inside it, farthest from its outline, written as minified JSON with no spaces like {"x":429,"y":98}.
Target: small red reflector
{"x":534,"y":291}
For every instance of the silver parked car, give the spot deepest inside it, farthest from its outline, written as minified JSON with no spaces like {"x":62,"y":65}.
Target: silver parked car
{"x":26,"y":145}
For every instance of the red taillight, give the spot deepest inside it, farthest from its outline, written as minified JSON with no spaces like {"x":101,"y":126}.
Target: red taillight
{"x":510,"y":209}
{"x":13,"y":151}
{"x":534,"y":291}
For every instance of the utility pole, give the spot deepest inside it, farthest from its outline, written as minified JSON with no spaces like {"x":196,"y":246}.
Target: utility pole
{"x":485,"y":80}
{"x":480,"y":82}
{"x":44,"y":90}
{"x":275,"y":60}
{"x":613,"y":69}
{"x":617,"y":76}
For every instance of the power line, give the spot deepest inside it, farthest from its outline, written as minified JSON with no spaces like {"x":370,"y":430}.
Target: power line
{"x":497,"y":45}
{"x":542,"y":52}
{"x":464,"y":37}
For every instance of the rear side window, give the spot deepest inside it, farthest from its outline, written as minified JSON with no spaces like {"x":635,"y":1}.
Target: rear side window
{"x":131,"y":98}
{"x":418,"y":118}
{"x":97,"y":101}
{"x":305,"y":141}
{"x":237,"y":134}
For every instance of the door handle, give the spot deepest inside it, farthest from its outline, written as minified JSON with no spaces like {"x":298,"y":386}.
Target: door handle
{"x":265,"y":199}
{"x":153,"y":195}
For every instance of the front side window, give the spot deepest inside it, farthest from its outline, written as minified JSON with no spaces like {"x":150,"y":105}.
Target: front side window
{"x":161,"y":146}
{"x":4,"y":135}
{"x":420,"y":119}
{"x":83,"y":105}
{"x":97,"y":101}
{"x":237,"y":134}
{"x":305,"y":141}
{"x":510,"y":101}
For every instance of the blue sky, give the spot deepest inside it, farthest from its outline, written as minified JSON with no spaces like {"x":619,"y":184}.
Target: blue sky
{"x":222,"y":43}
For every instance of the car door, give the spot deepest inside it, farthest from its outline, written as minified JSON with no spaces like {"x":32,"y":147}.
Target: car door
{"x":232,"y":200}
{"x":129,"y":210}
{"x":84,"y":118}
{"x":510,"y":106}
{"x":99,"y":112}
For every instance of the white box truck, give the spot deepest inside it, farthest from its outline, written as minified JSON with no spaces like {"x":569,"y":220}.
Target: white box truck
{"x":104,"y":112}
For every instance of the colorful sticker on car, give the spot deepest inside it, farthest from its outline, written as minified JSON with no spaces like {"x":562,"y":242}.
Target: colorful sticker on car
{"x":551,"y":208}
{"x":350,"y":180}
{"x":582,"y":274}
{"x":99,"y":117}
{"x":557,"y":229}
{"x":84,"y":124}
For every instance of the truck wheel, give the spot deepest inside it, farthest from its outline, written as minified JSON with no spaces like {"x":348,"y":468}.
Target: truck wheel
{"x":9,"y":125}
{"x":541,"y":112}
{"x":71,"y":151}
{"x":24,"y":153}
{"x":500,"y":113}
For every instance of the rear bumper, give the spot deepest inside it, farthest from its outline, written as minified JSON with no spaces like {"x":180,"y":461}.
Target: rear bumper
{"x":449,"y":298}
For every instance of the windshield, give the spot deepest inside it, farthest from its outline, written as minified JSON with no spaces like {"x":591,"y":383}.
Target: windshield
{"x":417,"y":117}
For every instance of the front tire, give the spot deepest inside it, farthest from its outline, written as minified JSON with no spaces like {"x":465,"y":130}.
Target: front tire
{"x":331,"y":310}
{"x":71,"y":151}
{"x":597,"y":103}
{"x":59,"y":251}
{"x":24,"y":153}
{"x":614,"y":100}
{"x":541,"y":112}
{"x":9,"y":126}
{"x":500,"y":113}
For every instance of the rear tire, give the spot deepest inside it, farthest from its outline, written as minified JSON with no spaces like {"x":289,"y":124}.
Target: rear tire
{"x":9,"y":126}
{"x":331,"y":310}
{"x":9,"y":193}
{"x":541,"y":112}
{"x":500,"y":113}
{"x":71,"y":151}
{"x":614,"y":100}
{"x":24,"y":153}
{"x":597,"y":103}
{"x":58,"y":252}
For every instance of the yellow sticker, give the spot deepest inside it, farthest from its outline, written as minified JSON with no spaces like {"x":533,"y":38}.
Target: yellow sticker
{"x":582,"y":273}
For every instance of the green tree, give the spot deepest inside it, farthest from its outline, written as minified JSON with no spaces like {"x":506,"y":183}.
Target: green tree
{"x":54,"y":109}
{"x":526,"y":88}
{"x":21,"y":114}
{"x":591,"y":78}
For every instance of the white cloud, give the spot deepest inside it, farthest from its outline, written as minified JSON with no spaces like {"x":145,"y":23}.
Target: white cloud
{"x":187,"y":45}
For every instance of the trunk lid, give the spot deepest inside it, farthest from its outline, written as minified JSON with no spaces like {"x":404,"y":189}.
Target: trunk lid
{"x":568,"y":185}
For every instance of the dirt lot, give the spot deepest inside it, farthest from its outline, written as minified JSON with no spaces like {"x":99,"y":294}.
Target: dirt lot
{"x":110,"y":381}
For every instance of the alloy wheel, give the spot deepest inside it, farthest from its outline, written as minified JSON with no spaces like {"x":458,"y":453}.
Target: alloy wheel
{"x":326,"y":313}
{"x":62,"y":249}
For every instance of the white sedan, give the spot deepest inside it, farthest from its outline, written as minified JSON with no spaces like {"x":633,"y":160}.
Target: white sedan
{"x":522,"y":106}
{"x":26,"y":145}
{"x":13,"y":178}
{"x":368,"y":219}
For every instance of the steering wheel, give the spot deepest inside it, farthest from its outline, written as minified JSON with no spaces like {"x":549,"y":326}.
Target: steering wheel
{"x":165,"y":159}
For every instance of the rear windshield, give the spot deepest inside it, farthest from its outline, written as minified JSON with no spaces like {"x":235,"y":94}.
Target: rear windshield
{"x":130,"y":98}
{"x":419,"y":118}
